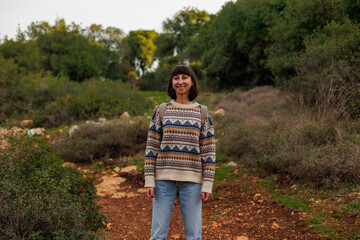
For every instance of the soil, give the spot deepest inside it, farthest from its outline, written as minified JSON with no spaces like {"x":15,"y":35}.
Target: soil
{"x":238,"y":210}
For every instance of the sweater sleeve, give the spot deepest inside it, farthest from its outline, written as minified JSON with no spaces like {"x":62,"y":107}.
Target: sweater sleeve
{"x":208,"y":154}
{"x":152,"y":148}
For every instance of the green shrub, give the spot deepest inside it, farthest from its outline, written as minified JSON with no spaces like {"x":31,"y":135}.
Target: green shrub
{"x":328,"y":71}
{"x":92,"y":141}
{"x":91,"y":99}
{"x":40,"y":199}
{"x":236,"y":141}
{"x":265,"y":131}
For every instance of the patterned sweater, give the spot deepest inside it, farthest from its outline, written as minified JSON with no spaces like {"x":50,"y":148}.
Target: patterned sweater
{"x":180,"y":149}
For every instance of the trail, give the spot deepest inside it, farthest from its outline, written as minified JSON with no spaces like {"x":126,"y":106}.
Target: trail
{"x":238,"y":210}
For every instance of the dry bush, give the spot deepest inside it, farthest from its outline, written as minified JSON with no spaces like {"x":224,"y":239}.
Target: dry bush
{"x":92,"y":141}
{"x":266,"y":130}
{"x":330,"y":166}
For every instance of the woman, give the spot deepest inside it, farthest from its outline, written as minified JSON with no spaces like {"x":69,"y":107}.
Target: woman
{"x":180,"y":156}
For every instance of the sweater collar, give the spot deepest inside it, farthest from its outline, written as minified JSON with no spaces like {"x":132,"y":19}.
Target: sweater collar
{"x":180,"y":105}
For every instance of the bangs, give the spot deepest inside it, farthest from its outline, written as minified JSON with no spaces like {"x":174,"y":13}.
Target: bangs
{"x":181,"y":69}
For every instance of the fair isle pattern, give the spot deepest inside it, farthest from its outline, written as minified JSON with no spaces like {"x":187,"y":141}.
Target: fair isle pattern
{"x":179,"y":148}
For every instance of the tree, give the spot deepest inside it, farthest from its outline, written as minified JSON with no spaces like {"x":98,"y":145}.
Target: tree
{"x":328,"y":71}
{"x":185,"y":24}
{"x":25,"y":54}
{"x":233,"y":45}
{"x":141,"y":49}
{"x":299,"y":19}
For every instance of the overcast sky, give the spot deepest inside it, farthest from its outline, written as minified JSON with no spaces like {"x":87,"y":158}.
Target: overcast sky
{"x":124,"y":14}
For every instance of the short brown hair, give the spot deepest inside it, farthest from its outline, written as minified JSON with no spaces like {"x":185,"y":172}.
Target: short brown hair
{"x":182,"y":69}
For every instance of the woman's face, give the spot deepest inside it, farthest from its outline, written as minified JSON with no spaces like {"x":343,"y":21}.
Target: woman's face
{"x":181,"y":84}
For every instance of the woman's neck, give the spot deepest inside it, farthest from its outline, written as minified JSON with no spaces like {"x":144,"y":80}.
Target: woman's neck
{"x":183,"y":99}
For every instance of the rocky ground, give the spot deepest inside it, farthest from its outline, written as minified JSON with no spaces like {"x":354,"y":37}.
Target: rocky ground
{"x":238,"y":210}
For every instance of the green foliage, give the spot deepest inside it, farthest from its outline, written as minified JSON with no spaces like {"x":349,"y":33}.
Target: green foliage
{"x":328,"y":71}
{"x":53,"y":101}
{"x":352,"y":9}
{"x":185,"y":24}
{"x":298,"y":20}
{"x":92,"y":142}
{"x":165,"y":45}
{"x":73,"y":55}
{"x":141,"y":49}
{"x":40,"y":199}
{"x":69,"y":50}
{"x":234,"y":44}
{"x":25,"y":54}
{"x":91,"y":99}
{"x":158,"y":80}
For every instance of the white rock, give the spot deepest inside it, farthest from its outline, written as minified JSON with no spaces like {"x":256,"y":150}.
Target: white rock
{"x":124,"y":195}
{"x":102,"y":120}
{"x":109,"y":185}
{"x":220,"y":112}
{"x":129,"y":169}
{"x":73,"y":129}
{"x":125,"y":115}
{"x":36,"y":131}
{"x":232,"y":164}
{"x":117,"y":169}
{"x":89,"y":122}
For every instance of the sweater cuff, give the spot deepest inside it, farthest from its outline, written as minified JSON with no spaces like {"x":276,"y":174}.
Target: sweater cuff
{"x":207,"y":186}
{"x":149,"y":181}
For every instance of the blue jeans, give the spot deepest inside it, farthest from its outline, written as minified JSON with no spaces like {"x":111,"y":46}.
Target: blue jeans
{"x":190,"y":206}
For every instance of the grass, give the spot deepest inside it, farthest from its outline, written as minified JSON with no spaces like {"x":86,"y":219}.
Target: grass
{"x":324,"y":211}
{"x":224,"y":172}
{"x":293,"y":202}
{"x":156,"y":98}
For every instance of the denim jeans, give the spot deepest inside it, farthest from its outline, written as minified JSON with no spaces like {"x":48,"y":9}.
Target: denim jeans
{"x":190,"y":206}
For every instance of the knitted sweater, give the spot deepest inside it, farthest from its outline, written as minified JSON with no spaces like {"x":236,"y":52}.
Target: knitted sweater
{"x":180,"y":149}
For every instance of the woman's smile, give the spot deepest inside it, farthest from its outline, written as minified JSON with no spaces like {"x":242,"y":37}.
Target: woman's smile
{"x":182,"y":84}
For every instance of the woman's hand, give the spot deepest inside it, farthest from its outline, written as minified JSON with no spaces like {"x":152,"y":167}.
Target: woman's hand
{"x":205,"y":196}
{"x":150,"y":192}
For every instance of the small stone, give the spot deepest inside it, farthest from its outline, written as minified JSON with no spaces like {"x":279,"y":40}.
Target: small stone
{"x":175,"y":236}
{"x":214,"y":225}
{"x":275,"y":225}
{"x":242,"y":238}
{"x":125,"y":115}
{"x":220,"y":112}
{"x":257,"y":196}
{"x":69,"y":164}
{"x":141,"y":190}
{"x":232,"y":164}
{"x":128,"y":169}
{"x":36,"y":131}
{"x":117,"y":169}
{"x":124,"y":195}
{"x":102,"y":120}
{"x":26,"y":123}
{"x":108,"y":227}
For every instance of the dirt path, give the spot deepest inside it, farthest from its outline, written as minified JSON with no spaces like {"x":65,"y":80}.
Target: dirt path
{"x":238,"y":210}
